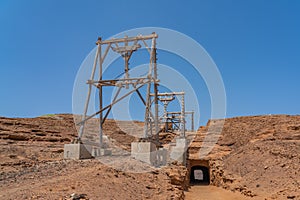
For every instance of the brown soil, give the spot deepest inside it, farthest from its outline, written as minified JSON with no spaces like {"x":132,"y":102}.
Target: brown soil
{"x":32,"y":166}
{"x":213,"y":193}
{"x":257,"y":156}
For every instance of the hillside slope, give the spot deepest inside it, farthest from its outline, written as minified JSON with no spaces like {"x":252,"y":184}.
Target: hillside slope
{"x":32,"y":165}
{"x":255,"y":155}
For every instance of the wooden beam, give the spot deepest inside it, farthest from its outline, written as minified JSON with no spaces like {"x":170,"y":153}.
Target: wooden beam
{"x":128,"y":39}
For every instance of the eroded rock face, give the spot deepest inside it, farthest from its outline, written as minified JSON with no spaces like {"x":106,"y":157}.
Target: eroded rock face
{"x":178,"y":178}
{"x":177,"y":175}
{"x":257,"y":156}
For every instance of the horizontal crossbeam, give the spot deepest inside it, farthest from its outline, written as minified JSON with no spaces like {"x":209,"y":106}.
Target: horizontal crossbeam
{"x":121,"y":82}
{"x":126,"y":48}
{"x":116,"y":101}
{"x":168,"y":94}
{"x":128,"y":39}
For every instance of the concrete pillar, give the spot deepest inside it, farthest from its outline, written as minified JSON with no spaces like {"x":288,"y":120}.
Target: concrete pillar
{"x":77,"y":151}
{"x":179,"y":152}
{"x":97,"y":152}
{"x":162,"y":157}
{"x":144,"y":151}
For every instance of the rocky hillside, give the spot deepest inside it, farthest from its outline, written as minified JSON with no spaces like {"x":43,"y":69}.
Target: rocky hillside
{"x":256,"y":155}
{"x":32,"y":165}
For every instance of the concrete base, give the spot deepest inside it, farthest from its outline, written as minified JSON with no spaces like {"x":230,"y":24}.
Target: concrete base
{"x":181,"y":142}
{"x":178,"y":152}
{"x":178,"y":155}
{"x":76,"y":151}
{"x":97,"y":152}
{"x":162,"y":157}
{"x":144,"y":151}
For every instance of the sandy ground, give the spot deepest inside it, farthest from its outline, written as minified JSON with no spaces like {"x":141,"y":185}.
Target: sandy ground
{"x":213,"y":193}
{"x":58,"y":180}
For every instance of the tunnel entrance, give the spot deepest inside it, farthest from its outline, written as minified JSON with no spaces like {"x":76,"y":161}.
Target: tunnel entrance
{"x":199,"y":175}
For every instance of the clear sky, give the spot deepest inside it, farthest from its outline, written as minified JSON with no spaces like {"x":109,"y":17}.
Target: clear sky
{"x":255,"y":44}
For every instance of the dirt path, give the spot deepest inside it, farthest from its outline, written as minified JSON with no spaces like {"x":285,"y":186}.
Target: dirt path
{"x":212,"y":192}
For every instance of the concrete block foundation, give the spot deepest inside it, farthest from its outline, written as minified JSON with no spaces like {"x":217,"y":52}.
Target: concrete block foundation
{"x":179,"y":152}
{"x":77,"y":151}
{"x":181,"y":142}
{"x":97,"y":152}
{"x":162,"y":157}
{"x":144,"y":151}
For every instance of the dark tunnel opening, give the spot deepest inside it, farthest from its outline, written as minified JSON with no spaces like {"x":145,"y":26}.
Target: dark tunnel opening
{"x":199,"y":175}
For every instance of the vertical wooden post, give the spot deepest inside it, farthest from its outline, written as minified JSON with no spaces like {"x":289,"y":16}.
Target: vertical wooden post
{"x":147,"y":120}
{"x":81,"y":130}
{"x":192,"y":121}
{"x":155,"y":89}
{"x":100,"y":97}
{"x":182,"y":118}
{"x":126,"y":58}
{"x":165,"y":115}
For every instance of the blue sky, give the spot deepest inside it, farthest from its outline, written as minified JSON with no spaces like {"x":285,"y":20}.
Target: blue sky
{"x":255,"y":44}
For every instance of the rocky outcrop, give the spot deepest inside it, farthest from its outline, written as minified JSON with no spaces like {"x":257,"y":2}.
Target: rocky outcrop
{"x":178,"y":177}
{"x":256,"y":156}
